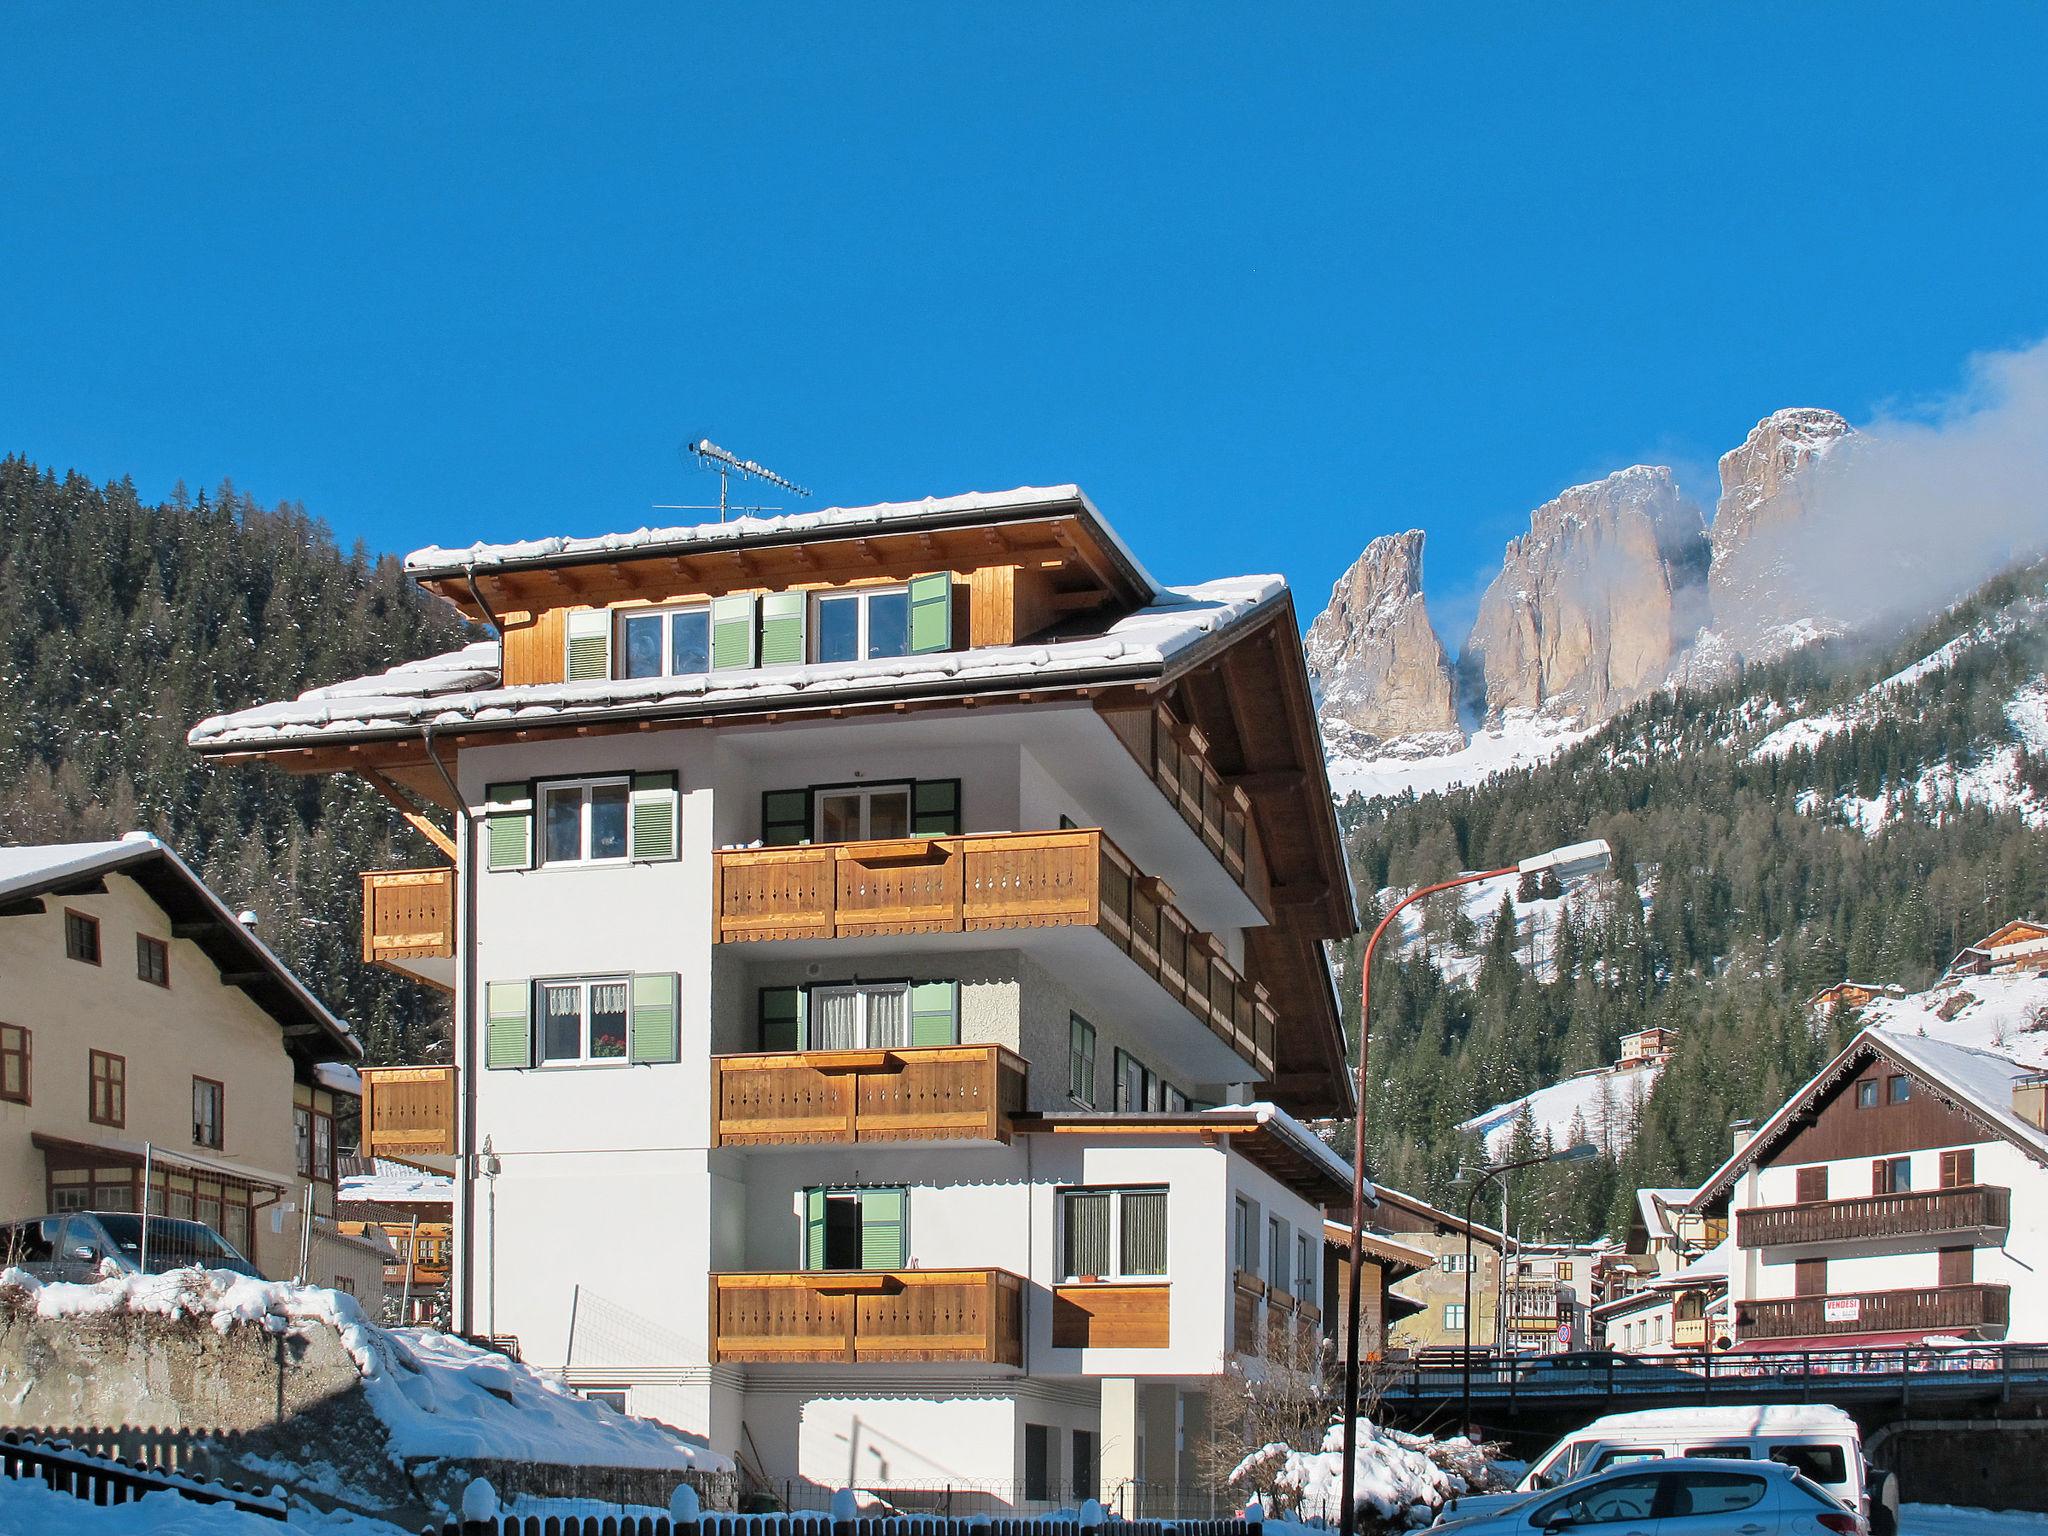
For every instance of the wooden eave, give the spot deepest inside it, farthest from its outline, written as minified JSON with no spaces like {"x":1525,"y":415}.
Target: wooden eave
{"x":1261,"y":1143}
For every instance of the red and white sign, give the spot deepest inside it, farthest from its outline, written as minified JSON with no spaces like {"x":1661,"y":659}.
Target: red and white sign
{"x":1842,"y":1309}
{"x":1564,"y":1335}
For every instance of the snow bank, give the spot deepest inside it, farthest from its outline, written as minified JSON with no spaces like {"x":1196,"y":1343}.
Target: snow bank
{"x":29,"y":1508}
{"x":437,"y":1397}
{"x":1403,"y":1479}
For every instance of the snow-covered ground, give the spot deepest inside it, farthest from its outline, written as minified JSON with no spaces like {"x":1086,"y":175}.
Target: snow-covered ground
{"x":1535,"y":923}
{"x":28,"y":1508}
{"x":2007,"y":1014}
{"x":1397,"y":1475}
{"x":1949,"y":1520}
{"x":1599,"y":1106}
{"x":1521,"y":740}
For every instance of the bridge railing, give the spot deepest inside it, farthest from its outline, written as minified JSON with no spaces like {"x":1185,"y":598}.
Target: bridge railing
{"x":1703,"y":1377}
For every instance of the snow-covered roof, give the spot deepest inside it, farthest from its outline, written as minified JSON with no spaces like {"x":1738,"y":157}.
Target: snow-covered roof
{"x":1769,"y":1419}
{"x":444,"y":690}
{"x":170,"y":882}
{"x":1995,"y":1013}
{"x":1379,"y":1245}
{"x":396,"y":1184}
{"x":787,"y":527}
{"x":1708,"y":1267}
{"x":1654,"y":1206}
{"x":339,"y":1077}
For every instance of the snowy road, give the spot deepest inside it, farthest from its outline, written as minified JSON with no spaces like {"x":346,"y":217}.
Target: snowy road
{"x":1947,"y":1520}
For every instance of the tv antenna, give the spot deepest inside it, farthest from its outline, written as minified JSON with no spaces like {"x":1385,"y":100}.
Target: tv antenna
{"x":726,"y":465}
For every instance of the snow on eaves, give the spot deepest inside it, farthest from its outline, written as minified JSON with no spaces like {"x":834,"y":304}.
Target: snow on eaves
{"x":436,"y":560}
{"x":445,"y":690}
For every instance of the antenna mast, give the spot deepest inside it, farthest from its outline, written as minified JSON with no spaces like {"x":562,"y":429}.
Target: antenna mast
{"x":726,"y":465}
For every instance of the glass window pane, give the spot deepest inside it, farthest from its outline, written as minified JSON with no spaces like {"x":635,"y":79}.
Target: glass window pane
{"x":608,"y":821}
{"x":838,"y":629}
{"x":839,"y":818}
{"x":889,"y":624}
{"x":561,"y":1032}
{"x":835,"y":1019}
{"x":888,"y":1017}
{"x":1144,"y":1234}
{"x":564,"y":818}
{"x":690,"y":641}
{"x":1087,"y":1235}
{"x":607,"y":1020}
{"x":643,"y":645}
{"x":889,"y":813}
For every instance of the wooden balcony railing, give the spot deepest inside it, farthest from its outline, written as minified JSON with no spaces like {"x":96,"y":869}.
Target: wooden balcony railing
{"x":408,"y":1112}
{"x":904,"y":1093}
{"x":1177,"y":758}
{"x":1921,"y":1213}
{"x":1944,"y":1307}
{"x":408,"y":914}
{"x":869,"y":1315}
{"x":987,"y":882}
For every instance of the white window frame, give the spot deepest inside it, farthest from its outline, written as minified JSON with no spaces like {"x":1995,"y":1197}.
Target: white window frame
{"x":583,"y":1058}
{"x":1454,"y":1317}
{"x":668,"y":655}
{"x":866,"y":793}
{"x":1305,"y":1268}
{"x":547,"y":788}
{"x":859,"y":596}
{"x":865,"y":991}
{"x":1116,"y":1193}
{"x":1079,"y":1029}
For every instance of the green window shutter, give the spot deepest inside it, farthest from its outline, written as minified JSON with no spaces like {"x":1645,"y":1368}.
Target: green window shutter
{"x":881,"y":1229}
{"x":785,"y":817}
{"x":508,"y":826}
{"x":653,"y":1034}
{"x":935,"y":807}
{"x":935,"y":1013}
{"x":589,"y":639}
{"x":651,"y":830}
{"x":782,"y":1018}
{"x":782,"y":628}
{"x":814,"y":1229}
{"x":732,"y":631}
{"x":508,"y":1024}
{"x":931,"y":612}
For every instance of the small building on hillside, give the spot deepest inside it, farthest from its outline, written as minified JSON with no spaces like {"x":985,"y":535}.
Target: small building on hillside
{"x":1899,"y":1195}
{"x":2019,"y":945}
{"x":149,"y":1039}
{"x":414,"y":1210}
{"x":1654,"y":1044}
{"x":1851,"y":994}
{"x":1433,"y":1297}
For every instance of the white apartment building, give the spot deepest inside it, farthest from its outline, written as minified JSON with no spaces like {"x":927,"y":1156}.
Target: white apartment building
{"x":887,"y":957}
{"x":1896,"y":1197}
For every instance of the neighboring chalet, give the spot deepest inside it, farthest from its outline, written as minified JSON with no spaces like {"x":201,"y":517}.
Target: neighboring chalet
{"x":1897,"y":1196}
{"x":2020,"y":945}
{"x":1844,"y":995}
{"x":1430,"y":1303}
{"x":1385,"y":1262}
{"x":147,"y":1034}
{"x":887,"y":956}
{"x":414,"y":1210}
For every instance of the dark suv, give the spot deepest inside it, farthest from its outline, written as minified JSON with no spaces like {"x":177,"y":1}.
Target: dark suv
{"x":74,"y":1245}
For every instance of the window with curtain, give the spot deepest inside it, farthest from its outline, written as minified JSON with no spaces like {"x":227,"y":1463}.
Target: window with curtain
{"x":1113,"y":1234}
{"x":583,"y":1020}
{"x":862,"y":1016}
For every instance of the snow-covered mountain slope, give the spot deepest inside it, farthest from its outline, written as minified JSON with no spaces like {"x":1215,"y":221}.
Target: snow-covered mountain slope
{"x":1599,"y":1106}
{"x":2007,"y":1014}
{"x":1429,"y":765}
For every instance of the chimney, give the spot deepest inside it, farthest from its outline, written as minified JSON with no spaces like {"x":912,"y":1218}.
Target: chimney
{"x":2030,"y":1099}
{"x":1743,"y":1131}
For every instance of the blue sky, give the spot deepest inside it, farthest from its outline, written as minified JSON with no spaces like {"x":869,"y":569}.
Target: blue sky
{"x":1266,"y":280}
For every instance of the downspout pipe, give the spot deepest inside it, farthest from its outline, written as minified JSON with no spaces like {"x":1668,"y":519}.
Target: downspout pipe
{"x":476,"y":594}
{"x":465,"y":1054}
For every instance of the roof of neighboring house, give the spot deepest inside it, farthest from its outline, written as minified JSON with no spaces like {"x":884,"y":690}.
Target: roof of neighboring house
{"x":392,"y":1183}
{"x":1391,"y":1253}
{"x":1875,"y":988}
{"x":1978,"y":1083}
{"x":1437,"y":1216}
{"x":1709,"y":1268}
{"x":1634,"y":1301}
{"x":2018,"y":930}
{"x":27,"y":874}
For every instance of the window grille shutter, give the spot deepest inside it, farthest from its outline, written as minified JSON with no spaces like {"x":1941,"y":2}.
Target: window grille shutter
{"x":931,"y":612}
{"x":508,"y":1024}
{"x":732,"y":631}
{"x":935,"y":808}
{"x":814,"y":1229}
{"x":654,"y":1035}
{"x":1087,"y":1234}
{"x":508,"y":826}
{"x":589,"y":638}
{"x":782,"y":1018}
{"x":651,"y":830}
{"x":785,"y":817}
{"x":935,"y":1013}
{"x":881,"y":1229}
{"x":782,"y":628}
{"x":1144,"y":1233}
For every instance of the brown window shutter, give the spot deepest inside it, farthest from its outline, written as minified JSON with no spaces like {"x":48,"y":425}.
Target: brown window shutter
{"x":1810,"y":1277}
{"x":1880,"y":1177}
{"x":1958,"y":1266}
{"x":1959,"y":1168}
{"x":1813,"y":1185}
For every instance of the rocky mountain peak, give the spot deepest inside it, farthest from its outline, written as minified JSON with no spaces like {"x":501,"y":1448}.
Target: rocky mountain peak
{"x":1762,"y":604}
{"x":1380,"y":671}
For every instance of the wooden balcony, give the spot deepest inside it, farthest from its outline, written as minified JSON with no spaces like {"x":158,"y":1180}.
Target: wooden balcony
{"x":1968,"y":1209}
{"x":409,"y":1113}
{"x":1177,"y":758}
{"x":915,"y":1315}
{"x":1943,"y":1308}
{"x":409,"y":923}
{"x":1120,"y":1316}
{"x":989,"y":882}
{"x":905,"y":1093}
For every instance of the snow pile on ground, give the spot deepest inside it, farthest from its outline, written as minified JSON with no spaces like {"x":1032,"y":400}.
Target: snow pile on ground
{"x":437,"y":1397}
{"x":1401,"y":1479}
{"x":1951,"y":1520}
{"x":29,"y":1508}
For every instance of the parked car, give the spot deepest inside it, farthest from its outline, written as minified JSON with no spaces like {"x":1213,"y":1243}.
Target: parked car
{"x":1822,"y":1443}
{"x":1597,"y":1366}
{"x":74,"y":1245}
{"x":1685,"y":1496}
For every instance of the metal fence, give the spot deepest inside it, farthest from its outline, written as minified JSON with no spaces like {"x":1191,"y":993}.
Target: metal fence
{"x":809,"y":1523}
{"x":104,"y":1480}
{"x":1138,"y":1500}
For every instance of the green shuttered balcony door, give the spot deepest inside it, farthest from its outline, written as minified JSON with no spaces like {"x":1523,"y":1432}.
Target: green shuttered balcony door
{"x":856,"y":1229}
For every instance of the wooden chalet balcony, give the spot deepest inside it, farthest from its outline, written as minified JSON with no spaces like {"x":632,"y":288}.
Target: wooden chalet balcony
{"x":915,"y":1315}
{"x":1947,"y":1308}
{"x":409,"y":923}
{"x":902,"y":1093}
{"x":409,"y":1113}
{"x":1920,"y":1213}
{"x":984,"y":883}
{"x":1177,"y":758}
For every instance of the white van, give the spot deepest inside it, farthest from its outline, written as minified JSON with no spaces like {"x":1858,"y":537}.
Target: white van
{"x":1821,"y":1442}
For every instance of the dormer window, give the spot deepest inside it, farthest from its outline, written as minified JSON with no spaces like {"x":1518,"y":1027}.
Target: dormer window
{"x":665,"y":642}
{"x":861,"y":624}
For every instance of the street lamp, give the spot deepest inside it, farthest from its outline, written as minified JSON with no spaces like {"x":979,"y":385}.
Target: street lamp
{"x":1487,"y":1175}
{"x":1576,"y":859}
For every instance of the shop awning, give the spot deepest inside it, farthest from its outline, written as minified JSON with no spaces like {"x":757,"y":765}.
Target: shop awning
{"x":1838,"y":1341}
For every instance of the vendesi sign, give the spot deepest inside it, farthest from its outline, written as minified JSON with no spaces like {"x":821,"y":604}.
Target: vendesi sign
{"x":1842,"y":1309}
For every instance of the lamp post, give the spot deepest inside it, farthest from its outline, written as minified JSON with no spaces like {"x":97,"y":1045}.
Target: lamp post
{"x":1577,"y":1154}
{"x":1579,"y":858}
